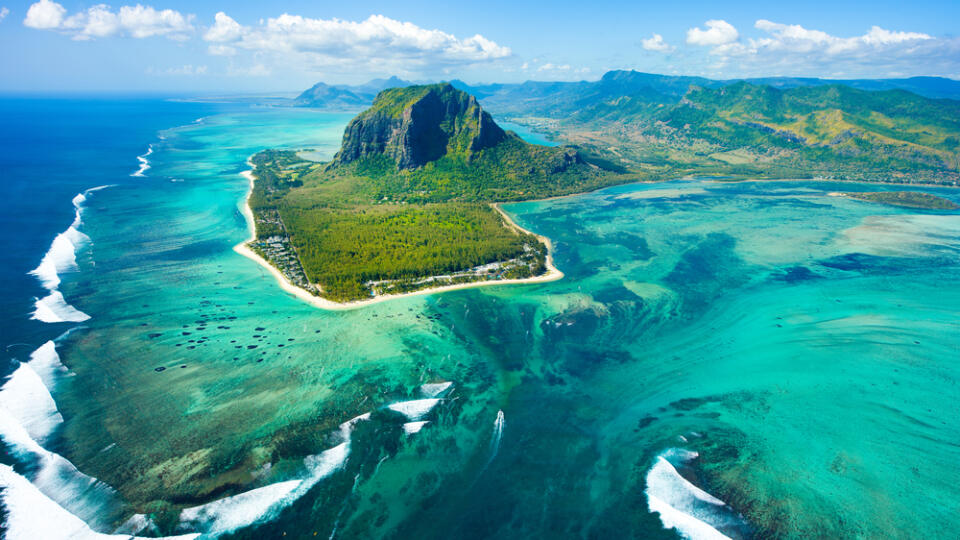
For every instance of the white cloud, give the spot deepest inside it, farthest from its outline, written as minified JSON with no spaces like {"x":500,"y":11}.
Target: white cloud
{"x":553,"y":67}
{"x":795,"y":38}
{"x":224,"y":29}
{"x":377,"y":43}
{"x":256,"y":70}
{"x":187,"y":69}
{"x":718,"y":32}
{"x":101,"y":21}
{"x":3,"y":13}
{"x":221,"y":50}
{"x":143,"y":22}
{"x":656,"y":43}
{"x":791,"y":49}
{"x":45,"y":15}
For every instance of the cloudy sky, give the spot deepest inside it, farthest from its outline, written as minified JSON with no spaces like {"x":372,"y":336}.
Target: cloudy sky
{"x":253,"y":46}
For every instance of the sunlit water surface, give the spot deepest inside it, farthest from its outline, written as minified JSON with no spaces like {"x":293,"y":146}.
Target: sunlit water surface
{"x":745,"y":359}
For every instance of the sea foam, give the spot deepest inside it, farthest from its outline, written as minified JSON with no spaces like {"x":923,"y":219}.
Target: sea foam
{"x":414,"y":427}
{"x":32,"y":515}
{"x":61,"y":257}
{"x":684,"y":507}
{"x":53,"y":308}
{"x":26,"y":399}
{"x":144,"y":162}
{"x":58,"y":260}
{"x":264,"y":503}
{"x":416,"y":409}
{"x":25,"y":396}
{"x":232,"y":513}
{"x":433,"y":390}
{"x":28,"y":417}
{"x":57,"y":478}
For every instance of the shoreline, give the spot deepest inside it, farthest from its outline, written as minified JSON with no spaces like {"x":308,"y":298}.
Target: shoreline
{"x":826,"y":180}
{"x":552,"y":273}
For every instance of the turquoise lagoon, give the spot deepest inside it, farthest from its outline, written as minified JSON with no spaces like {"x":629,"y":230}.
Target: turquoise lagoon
{"x":746,"y":359}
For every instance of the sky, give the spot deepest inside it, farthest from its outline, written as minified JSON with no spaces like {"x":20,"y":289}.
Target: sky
{"x":242,"y":46}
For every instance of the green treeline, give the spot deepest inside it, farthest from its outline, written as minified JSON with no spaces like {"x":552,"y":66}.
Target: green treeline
{"x":346,"y":235}
{"x":343,"y":249}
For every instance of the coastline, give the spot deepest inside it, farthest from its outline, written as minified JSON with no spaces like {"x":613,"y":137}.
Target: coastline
{"x":552,"y":273}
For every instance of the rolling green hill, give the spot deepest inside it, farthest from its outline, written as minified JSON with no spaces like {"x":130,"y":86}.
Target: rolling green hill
{"x":759,"y":130}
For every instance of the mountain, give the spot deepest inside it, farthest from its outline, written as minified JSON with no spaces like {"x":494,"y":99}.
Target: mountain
{"x":414,"y":126}
{"x":553,"y":99}
{"x":406,"y":202}
{"x":534,"y":98}
{"x":802,"y":131}
{"x":345,"y":97}
{"x":435,"y":143}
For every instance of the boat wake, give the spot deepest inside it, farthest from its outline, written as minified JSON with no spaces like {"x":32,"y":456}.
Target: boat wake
{"x":497,"y":435}
{"x":684,"y":507}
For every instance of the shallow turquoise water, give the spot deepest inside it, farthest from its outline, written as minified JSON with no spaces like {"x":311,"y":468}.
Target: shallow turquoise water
{"x":804,"y":345}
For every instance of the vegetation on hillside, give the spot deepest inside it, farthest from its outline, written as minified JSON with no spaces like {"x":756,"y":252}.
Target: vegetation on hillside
{"x":909,"y":199}
{"x":372,"y":222}
{"x":651,"y":125}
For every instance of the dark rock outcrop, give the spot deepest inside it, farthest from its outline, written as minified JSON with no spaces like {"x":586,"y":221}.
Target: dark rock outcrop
{"x":419,"y":124}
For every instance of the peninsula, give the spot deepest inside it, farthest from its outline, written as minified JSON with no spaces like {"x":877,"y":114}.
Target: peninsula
{"x":408,"y":204}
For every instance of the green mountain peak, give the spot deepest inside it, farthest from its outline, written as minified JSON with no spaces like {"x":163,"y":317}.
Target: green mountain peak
{"x":416,"y":125}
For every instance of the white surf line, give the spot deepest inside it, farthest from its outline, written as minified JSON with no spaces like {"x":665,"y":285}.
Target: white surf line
{"x":263,"y":504}
{"x":432,"y":390}
{"x":75,"y":500}
{"x":31,"y":515}
{"x":415,"y":409}
{"x":684,"y":507}
{"x":552,"y":274}
{"x":414,"y":427}
{"x":28,"y":417}
{"x":59,"y":259}
{"x":144,"y":162}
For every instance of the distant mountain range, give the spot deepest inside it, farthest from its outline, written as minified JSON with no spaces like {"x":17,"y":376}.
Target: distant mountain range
{"x":405,"y":204}
{"x":558,"y":97}
{"x":900,"y":130}
{"x":345,"y":97}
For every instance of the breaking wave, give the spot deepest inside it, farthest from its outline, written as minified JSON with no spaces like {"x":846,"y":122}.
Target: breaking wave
{"x":414,"y":427}
{"x":53,"y":308}
{"x":684,"y":507}
{"x":264,"y":503}
{"x":416,"y":409}
{"x":433,"y":390}
{"x":28,"y":419}
{"x":32,"y":515}
{"x":144,"y":162}
{"x":61,"y":258}
{"x":55,"y":500}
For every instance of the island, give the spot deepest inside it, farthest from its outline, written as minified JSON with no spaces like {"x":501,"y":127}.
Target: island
{"x":909,"y":199}
{"x":409,"y":203}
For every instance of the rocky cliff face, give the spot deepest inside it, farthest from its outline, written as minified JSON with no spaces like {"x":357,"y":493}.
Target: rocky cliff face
{"x":419,"y":124}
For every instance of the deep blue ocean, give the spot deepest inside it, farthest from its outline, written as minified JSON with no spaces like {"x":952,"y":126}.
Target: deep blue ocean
{"x":51,"y":149}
